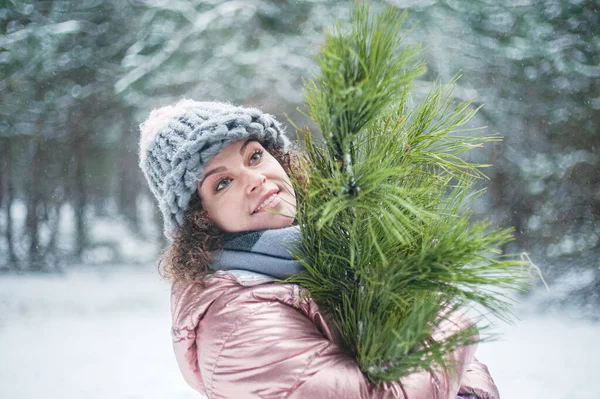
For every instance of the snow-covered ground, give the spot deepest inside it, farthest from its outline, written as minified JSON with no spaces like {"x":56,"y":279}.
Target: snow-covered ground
{"x":104,"y":333}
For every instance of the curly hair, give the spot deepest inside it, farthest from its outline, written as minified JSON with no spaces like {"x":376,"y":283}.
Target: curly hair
{"x":189,"y":254}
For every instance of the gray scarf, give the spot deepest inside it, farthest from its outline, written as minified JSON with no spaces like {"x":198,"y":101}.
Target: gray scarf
{"x":266,"y":252}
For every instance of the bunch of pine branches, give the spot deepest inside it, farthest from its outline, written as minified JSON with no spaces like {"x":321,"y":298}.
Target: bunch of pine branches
{"x":386,"y":233}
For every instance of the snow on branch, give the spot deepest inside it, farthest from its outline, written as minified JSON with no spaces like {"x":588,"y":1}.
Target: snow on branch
{"x":201,"y":24}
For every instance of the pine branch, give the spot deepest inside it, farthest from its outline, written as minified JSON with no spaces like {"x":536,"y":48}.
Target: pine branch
{"x":387,"y":237}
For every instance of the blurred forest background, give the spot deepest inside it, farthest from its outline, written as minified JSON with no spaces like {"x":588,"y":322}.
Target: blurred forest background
{"x":77,"y":77}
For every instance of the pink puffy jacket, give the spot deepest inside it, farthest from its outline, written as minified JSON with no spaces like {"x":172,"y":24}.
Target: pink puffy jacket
{"x":239,"y":335}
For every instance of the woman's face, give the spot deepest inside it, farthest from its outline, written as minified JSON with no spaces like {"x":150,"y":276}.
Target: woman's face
{"x":246,"y":189}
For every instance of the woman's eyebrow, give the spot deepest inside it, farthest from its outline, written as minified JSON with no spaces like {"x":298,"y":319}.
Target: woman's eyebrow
{"x":243,"y":148}
{"x":212,"y":172}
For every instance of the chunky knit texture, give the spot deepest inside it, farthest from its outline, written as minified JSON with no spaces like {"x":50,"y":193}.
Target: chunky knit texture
{"x":178,"y":141}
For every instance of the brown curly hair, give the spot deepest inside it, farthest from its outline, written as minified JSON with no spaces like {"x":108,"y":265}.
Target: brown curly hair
{"x":189,"y":254}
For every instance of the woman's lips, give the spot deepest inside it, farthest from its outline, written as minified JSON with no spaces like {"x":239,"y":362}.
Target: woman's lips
{"x":272,"y":201}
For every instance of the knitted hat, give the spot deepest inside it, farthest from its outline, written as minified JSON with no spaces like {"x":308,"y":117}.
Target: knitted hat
{"x":178,"y":141}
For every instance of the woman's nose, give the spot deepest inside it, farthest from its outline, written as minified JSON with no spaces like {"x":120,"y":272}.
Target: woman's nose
{"x":254,"y":181}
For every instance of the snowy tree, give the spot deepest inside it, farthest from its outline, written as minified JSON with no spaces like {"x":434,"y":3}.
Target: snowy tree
{"x":535,"y":67}
{"x":60,"y":116}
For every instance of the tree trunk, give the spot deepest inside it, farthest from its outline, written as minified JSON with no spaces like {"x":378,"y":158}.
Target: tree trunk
{"x":13,"y":261}
{"x":32,"y":220}
{"x":79,"y":200}
{"x":50,"y":253}
{"x":129,"y":173}
{"x":79,"y":142}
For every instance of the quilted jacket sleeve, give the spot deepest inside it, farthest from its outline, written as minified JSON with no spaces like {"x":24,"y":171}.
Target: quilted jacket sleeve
{"x":268,"y":342}
{"x":477,"y":381}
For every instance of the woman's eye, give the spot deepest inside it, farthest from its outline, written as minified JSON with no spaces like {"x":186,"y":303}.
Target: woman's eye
{"x":221,"y":184}
{"x":256,"y":156}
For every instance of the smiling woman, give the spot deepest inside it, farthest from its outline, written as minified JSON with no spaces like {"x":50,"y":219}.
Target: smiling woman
{"x":234,"y":158}
{"x":220,"y":174}
{"x":245,"y":188}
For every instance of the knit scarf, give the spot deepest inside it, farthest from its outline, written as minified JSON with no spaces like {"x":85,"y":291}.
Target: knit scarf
{"x":266,"y":252}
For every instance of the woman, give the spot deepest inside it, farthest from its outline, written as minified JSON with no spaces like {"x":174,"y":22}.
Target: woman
{"x":220,"y":175}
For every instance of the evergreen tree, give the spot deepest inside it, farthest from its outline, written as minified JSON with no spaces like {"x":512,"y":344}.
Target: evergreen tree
{"x":387,"y":241}
{"x":59,"y":61}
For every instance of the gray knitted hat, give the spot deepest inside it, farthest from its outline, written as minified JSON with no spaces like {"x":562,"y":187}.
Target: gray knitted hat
{"x":178,"y":141}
